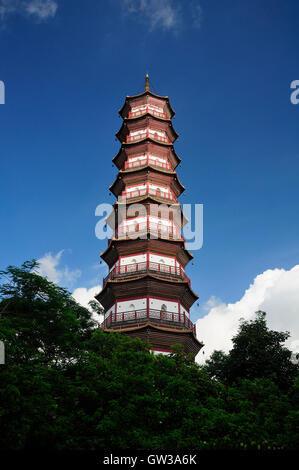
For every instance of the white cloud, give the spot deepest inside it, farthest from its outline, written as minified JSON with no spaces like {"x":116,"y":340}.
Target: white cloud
{"x":40,"y":9}
{"x":83,"y":296}
{"x":7,"y":7}
{"x":49,"y":267}
{"x":165,"y":14}
{"x":275,"y":291}
{"x":196,"y":12}
{"x":158,"y":13}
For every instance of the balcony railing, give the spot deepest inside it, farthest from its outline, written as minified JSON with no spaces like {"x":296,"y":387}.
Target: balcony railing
{"x":143,"y":135}
{"x":152,"y":228}
{"x":148,"y":161}
{"x":141,"y":112}
{"x":153,"y":192}
{"x":139,"y":316}
{"x":144,"y":267}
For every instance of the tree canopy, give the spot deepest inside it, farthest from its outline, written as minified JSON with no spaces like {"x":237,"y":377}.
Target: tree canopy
{"x":68,"y":385}
{"x":257,"y":352}
{"x":40,"y":321}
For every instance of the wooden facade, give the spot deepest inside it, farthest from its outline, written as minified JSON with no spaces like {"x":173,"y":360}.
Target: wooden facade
{"x":146,"y":293}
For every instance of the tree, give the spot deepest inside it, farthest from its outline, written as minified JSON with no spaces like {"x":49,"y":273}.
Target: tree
{"x":257,"y":352}
{"x":67,"y":385}
{"x":40,"y":321}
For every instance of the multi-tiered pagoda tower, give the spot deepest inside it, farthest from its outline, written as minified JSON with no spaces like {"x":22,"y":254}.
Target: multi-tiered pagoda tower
{"x":147,"y":293}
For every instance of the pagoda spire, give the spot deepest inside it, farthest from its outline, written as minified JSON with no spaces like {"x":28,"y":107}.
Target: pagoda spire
{"x":147,"y":88}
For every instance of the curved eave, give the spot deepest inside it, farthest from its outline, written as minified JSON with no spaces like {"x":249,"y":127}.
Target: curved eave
{"x":159,"y":142}
{"x":110,"y":219}
{"x":148,"y":165}
{"x":117,"y":156}
{"x":112,"y":187}
{"x":121,"y":131}
{"x":153,"y":117}
{"x":165,"y":98}
{"x":161,"y":328}
{"x":111,"y":282}
{"x":120,"y":240}
{"x":182,"y":188}
{"x":158,"y":170}
{"x":116,"y":240}
{"x":147,"y":114}
{"x":176,"y":156}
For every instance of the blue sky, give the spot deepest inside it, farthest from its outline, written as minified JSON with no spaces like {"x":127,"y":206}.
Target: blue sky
{"x":227,"y":68}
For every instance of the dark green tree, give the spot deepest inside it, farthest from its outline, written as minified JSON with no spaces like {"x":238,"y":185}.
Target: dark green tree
{"x":40,"y":321}
{"x":257,"y":352}
{"x":68,"y":385}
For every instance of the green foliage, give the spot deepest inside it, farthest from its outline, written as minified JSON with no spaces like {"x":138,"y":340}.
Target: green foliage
{"x":40,"y":322}
{"x":67,"y":385}
{"x":257,"y":352}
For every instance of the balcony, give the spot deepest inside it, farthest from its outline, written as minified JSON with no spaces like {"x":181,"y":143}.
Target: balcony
{"x":148,"y":160}
{"x":148,"y":191}
{"x":162,"y":318}
{"x":125,"y":271}
{"x":147,"y":133}
{"x":147,"y":110}
{"x":156,"y":229}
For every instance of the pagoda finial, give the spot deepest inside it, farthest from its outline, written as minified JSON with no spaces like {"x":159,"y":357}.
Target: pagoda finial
{"x":147,"y":83}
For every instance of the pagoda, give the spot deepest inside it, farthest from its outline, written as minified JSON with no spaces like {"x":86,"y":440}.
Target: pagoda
{"x":146,"y":293}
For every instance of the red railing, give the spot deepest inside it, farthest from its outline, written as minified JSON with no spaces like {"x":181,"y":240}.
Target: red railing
{"x":146,"y":266}
{"x":148,"y":160}
{"x":142,"y":315}
{"x":141,"y":112}
{"x":143,"y":135}
{"x":135,"y":193}
{"x":152,"y":228}
{"x":142,"y":192}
